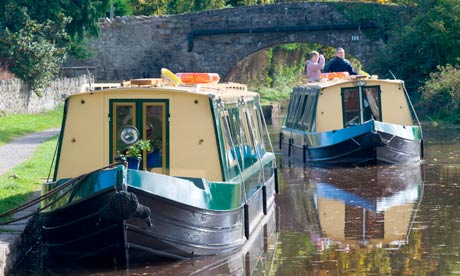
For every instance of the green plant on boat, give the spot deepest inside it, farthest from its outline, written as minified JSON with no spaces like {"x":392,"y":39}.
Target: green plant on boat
{"x":136,"y":149}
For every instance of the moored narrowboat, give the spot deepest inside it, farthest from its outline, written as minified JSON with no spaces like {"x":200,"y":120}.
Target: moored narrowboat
{"x":352,"y":121}
{"x":201,"y":189}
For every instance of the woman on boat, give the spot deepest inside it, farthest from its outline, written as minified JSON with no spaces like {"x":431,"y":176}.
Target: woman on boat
{"x":314,"y":66}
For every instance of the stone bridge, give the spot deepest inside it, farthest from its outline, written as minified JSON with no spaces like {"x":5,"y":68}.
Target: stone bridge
{"x":217,"y":40}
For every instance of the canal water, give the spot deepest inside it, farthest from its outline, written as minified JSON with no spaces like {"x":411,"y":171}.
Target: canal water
{"x":374,"y":220}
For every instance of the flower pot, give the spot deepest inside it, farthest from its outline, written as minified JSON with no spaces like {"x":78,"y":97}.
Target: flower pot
{"x":133,"y":162}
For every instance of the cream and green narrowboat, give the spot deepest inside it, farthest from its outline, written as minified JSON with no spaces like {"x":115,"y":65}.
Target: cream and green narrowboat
{"x":202,"y":188}
{"x":352,"y":121}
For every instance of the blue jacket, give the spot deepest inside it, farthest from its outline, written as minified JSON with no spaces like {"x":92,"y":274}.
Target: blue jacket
{"x":339,"y":65}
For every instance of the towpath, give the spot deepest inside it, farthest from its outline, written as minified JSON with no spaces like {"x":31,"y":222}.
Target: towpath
{"x":12,"y":154}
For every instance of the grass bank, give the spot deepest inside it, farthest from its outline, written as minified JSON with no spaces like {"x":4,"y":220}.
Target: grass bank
{"x":13,"y":126}
{"x":18,"y":184}
{"x":28,"y":177}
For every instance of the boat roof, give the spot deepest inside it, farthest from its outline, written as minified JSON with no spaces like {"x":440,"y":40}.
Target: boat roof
{"x":227,"y":91}
{"x":324,"y":83}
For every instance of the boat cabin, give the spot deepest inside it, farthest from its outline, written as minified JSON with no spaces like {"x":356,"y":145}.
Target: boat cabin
{"x":320,"y":107}
{"x":211,"y":131}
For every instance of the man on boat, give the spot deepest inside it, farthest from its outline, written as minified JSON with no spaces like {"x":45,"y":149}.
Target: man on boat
{"x":339,"y":63}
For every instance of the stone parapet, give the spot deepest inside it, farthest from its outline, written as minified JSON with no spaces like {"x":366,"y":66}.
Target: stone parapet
{"x":15,"y":97}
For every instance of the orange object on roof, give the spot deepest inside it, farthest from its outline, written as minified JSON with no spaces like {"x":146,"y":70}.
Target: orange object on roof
{"x":197,"y":78}
{"x":335,"y":75}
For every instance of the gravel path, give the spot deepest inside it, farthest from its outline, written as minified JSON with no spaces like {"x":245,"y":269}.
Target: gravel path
{"x":22,"y":148}
{"x":12,"y":154}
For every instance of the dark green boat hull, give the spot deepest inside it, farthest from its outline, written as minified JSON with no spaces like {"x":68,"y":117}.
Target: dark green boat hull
{"x":81,"y":227}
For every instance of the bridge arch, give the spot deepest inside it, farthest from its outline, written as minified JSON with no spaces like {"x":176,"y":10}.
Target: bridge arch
{"x":216,"y":40}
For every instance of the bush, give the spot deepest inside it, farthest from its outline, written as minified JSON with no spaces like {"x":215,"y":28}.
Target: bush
{"x":440,"y":95}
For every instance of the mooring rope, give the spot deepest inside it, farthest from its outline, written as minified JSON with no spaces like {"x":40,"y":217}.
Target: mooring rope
{"x":71,"y":182}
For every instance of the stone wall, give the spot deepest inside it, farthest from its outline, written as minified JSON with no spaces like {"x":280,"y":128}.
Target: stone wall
{"x":15,"y":97}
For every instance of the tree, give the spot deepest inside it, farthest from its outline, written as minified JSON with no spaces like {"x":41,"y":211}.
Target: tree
{"x":28,"y":51}
{"x":440,"y":97}
{"x":37,"y":36}
{"x":120,"y":8}
{"x":429,"y":40}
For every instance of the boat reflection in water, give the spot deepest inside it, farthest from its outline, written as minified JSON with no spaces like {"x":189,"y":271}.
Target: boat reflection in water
{"x":364,"y":207}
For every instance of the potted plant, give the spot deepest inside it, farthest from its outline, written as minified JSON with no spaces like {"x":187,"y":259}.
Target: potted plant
{"x":133,"y":154}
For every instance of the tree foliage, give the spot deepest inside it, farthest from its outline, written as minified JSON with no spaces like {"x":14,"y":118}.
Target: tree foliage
{"x":440,"y":95}
{"x":120,"y":8}
{"x":33,"y":51}
{"x":37,"y":36}
{"x":415,"y":50}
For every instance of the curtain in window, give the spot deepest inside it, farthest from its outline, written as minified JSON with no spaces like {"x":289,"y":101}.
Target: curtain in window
{"x":372,"y":95}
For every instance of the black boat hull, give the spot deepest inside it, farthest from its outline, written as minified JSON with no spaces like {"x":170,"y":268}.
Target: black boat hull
{"x":364,"y":146}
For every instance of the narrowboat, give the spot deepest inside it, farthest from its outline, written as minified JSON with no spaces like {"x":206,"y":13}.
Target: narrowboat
{"x":353,"y":213}
{"x":351,"y":121}
{"x":201,"y":189}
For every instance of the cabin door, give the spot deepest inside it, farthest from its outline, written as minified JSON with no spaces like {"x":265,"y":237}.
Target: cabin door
{"x":146,"y":119}
{"x":361,"y":104}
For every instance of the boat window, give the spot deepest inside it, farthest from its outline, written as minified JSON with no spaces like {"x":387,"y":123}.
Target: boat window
{"x":350,"y":99}
{"x":373,"y":100}
{"x":230,"y":150}
{"x":125,"y":115}
{"x":300,"y":123}
{"x":361,"y":107}
{"x":258,"y":128}
{"x":293,"y":108}
{"x":236,"y":130}
{"x":309,"y":113}
{"x":155,"y":132}
{"x":290,"y":110}
{"x":248,"y":139}
{"x":254,"y":130}
{"x":300,"y":110}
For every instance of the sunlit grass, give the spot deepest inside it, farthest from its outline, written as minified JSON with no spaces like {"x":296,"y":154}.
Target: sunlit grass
{"x":18,"y":184}
{"x":13,"y":126}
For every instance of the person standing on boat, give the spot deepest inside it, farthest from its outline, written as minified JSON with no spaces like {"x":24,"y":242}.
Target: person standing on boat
{"x":314,"y":66}
{"x":339,"y":63}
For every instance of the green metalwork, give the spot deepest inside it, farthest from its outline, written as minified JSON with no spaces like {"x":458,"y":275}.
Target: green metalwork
{"x":215,"y":110}
{"x":407,"y":132}
{"x":61,"y":137}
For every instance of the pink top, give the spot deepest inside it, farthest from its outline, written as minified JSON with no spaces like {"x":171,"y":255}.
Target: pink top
{"x":314,"y":69}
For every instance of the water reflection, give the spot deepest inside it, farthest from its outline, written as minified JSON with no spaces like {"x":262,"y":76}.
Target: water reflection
{"x":347,"y":221}
{"x":364,"y":207}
